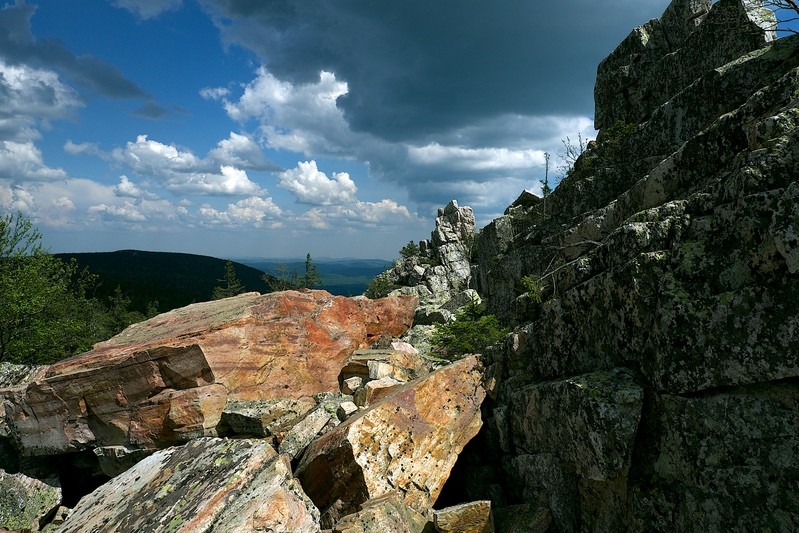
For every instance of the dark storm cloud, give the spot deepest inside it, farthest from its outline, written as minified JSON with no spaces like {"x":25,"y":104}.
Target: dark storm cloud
{"x":417,"y":69}
{"x":17,"y":45}
{"x":151,"y":110}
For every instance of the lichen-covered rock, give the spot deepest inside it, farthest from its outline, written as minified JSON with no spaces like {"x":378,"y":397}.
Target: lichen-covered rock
{"x":207,"y":485}
{"x":383,"y":514}
{"x":12,"y":375}
{"x":588,"y":420}
{"x":664,"y":56}
{"x":25,"y":502}
{"x":670,"y":249}
{"x":167,"y":379}
{"x":263,"y":418}
{"x":472,"y":517}
{"x":408,"y":442}
{"x":725,"y":460}
{"x":523,"y":518}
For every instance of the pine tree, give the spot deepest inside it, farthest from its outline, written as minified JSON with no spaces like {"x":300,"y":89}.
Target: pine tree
{"x":230,"y":283}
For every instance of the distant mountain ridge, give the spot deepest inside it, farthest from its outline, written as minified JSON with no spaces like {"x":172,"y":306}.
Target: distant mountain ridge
{"x":345,"y":277}
{"x":177,"y":279}
{"x":172,"y":279}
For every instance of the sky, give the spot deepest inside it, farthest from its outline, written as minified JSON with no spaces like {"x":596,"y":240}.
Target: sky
{"x":274,"y":128}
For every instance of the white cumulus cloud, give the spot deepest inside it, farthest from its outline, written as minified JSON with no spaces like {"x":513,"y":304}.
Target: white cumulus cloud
{"x":311,"y":186}
{"x":254,"y":212}
{"x":22,"y":161}
{"x":182,"y":172}
{"x":302,"y":118}
{"x":478,"y":159}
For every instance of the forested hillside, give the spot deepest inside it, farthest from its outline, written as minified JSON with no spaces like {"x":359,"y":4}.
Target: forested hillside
{"x":161,"y":279}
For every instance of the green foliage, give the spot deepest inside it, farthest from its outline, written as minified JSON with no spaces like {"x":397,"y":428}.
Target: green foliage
{"x":118,"y":314}
{"x":410,"y":250}
{"x":230,"y":283}
{"x":159,"y":281}
{"x":533,"y":287}
{"x":291,"y":280}
{"x":472,"y":331}
{"x":48,"y":310}
{"x":312,"y":277}
{"x":380,"y":287}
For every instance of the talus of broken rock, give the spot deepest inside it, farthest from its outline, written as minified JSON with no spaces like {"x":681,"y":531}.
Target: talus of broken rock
{"x":407,"y":442}
{"x":167,"y":380}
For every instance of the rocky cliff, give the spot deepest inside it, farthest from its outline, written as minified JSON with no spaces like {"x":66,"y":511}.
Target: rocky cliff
{"x":651,"y":381}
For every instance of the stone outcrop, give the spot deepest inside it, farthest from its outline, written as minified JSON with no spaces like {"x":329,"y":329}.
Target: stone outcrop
{"x":168,"y":379}
{"x":649,"y":380}
{"x":443,"y":268}
{"x":382,"y":514}
{"x":25,"y":502}
{"x":472,"y":517}
{"x":207,"y":485}
{"x":408,"y":442}
{"x":97,"y":432}
{"x":662,"y":57}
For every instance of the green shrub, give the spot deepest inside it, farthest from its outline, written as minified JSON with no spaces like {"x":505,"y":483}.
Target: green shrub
{"x":380,"y":287}
{"x":472,"y":331}
{"x":410,"y":250}
{"x":533,"y":287}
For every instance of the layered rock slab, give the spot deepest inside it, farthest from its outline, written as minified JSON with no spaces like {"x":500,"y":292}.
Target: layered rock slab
{"x":209,"y":484}
{"x":407,"y":442}
{"x":167,"y":380}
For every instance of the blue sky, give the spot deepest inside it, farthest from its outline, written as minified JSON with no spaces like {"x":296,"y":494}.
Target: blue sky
{"x":238,"y":128}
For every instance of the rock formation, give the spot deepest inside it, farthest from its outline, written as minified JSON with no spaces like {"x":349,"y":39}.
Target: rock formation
{"x":168,"y":379}
{"x":650,"y":384}
{"x":196,"y":416}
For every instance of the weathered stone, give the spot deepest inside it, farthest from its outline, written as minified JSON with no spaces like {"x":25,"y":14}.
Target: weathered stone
{"x":785,"y":227}
{"x":373,"y":391}
{"x":25,"y":502}
{"x":207,"y":485}
{"x":462,"y":299}
{"x":114,"y":460}
{"x":304,"y":431}
{"x":167,"y":380}
{"x":350,"y":385}
{"x":663,"y":57}
{"x":589,"y":420}
{"x":722,"y":461}
{"x":407,"y":442}
{"x":12,"y":375}
{"x":381,"y":515}
{"x":524,"y":518}
{"x":345,"y":410}
{"x":404,"y":347}
{"x":262,"y":418}
{"x":358,"y":363}
{"x":381,"y":369}
{"x":472,"y":517}
{"x":547,"y":481}
{"x":525,"y":199}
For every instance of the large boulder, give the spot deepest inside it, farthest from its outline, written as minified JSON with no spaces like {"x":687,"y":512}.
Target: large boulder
{"x":209,"y":484}
{"x":25,"y":502}
{"x":408,"y":441}
{"x":383,"y":514}
{"x":168,"y":379}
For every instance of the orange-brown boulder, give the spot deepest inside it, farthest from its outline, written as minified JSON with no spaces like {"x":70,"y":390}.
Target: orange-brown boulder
{"x":167,"y":379}
{"x":407,"y":442}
